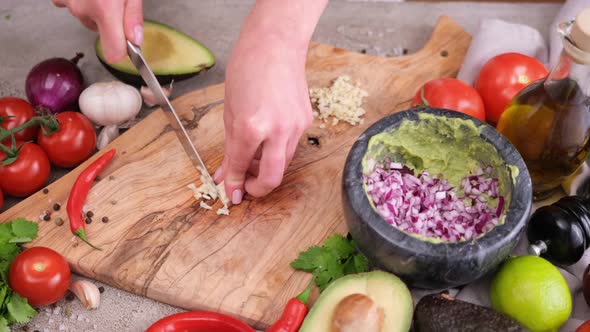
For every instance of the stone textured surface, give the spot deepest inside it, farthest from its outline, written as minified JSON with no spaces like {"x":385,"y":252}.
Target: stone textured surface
{"x":421,"y":263}
{"x":33,"y":30}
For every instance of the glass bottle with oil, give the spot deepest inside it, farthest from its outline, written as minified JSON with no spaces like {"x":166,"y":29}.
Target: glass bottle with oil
{"x":549,"y":121}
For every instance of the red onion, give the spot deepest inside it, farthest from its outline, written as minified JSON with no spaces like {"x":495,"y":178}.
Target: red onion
{"x":430,"y":206}
{"x":55,"y":84}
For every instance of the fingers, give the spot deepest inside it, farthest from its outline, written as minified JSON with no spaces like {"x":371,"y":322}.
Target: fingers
{"x":240,"y":151}
{"x":60,"y":3}
{"x":133,"y":21}
{"x":112,"y":37}
{"x":271,"y":170}
{"x":89,"y":23}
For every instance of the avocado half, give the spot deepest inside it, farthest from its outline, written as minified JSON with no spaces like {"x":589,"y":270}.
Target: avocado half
{"x":171,"y":54}
{"x":387,"y":291}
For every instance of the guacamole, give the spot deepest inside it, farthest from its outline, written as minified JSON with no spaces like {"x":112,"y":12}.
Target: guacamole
{"x":446,"y":148}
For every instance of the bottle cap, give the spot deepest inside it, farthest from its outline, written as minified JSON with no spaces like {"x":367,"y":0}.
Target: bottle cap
{"x":580,"y":33}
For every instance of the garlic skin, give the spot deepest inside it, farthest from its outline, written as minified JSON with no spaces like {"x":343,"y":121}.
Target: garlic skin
{"x":110,"y":103}
{"x":87,"y":292}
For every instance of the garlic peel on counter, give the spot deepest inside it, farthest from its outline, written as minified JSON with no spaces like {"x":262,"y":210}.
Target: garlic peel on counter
{"x":87,"y":292}
{"x":110,"y":104}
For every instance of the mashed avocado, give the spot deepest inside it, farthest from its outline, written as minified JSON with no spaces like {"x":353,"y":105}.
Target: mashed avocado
{"x":450,"y":147}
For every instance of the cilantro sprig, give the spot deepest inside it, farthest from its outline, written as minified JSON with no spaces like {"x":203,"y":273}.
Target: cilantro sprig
{"x":336,"y":258}
{"x":13,"y":308}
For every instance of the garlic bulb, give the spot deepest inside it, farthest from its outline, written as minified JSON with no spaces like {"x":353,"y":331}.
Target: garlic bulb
{"x":110,"y":103}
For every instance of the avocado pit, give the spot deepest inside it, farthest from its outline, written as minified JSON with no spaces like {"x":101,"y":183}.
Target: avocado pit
{"x":357,"y":312}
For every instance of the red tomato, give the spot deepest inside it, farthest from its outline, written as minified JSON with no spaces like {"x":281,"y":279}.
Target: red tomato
{"x":584,"y":327}
{"x":28,"y":173}
{"x":20,"y":112}
{"x":73,"y":143}
{"x":504,"y":76}
{"x":41,"y":275}
{"x":451,"y":94}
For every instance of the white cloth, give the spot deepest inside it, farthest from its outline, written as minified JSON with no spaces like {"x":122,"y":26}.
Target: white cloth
{"x":496,"y":37}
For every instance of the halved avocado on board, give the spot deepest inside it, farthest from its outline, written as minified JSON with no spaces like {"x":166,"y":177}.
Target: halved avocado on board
{"x":171,"y":54}
{"x":367,"y":302}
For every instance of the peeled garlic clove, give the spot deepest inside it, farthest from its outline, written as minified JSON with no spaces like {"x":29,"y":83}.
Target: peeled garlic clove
{"x":87,"y":292}
{"x":148,"y":95}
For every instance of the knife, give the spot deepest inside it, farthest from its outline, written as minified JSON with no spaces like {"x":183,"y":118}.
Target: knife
{"x":150,"y":79}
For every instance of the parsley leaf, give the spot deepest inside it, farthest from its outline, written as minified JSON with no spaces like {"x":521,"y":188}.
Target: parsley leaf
{"x":13,"y":308}
{"x":4,"y":325}
{"x":19,"y":310}
{"x":22,"y":228}
{"x":337,"y":257}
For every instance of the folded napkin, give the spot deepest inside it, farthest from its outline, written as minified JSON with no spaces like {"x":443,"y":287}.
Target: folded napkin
{"x":495,"y":37}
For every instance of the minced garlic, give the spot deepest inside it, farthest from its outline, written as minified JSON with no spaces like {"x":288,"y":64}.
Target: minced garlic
{"x":343,"y":101}
{"x":208,"y":190}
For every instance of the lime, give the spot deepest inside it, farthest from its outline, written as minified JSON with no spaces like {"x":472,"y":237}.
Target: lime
{"x":532,"y":291}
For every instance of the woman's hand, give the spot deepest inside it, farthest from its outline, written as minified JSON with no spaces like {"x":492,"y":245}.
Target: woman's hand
{"x":267,"y":104}
{"x":115,"y":20}
{"x":267,"y":108}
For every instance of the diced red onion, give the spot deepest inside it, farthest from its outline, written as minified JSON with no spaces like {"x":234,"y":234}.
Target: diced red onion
{"x":429,"y":206}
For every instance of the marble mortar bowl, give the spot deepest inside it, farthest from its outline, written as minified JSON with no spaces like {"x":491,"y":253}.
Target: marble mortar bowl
{"x":425,"y":264}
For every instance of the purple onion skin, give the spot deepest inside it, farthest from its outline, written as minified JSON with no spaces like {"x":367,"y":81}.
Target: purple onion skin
{"x":55,"y":84}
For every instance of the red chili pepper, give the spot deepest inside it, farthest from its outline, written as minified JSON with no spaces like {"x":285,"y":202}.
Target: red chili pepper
{"x":79,"y":193}
{"x":193,"y":321}
{"x":294,"y":313}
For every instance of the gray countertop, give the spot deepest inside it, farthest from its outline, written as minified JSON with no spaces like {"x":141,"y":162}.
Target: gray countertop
{"x":33,"y":30}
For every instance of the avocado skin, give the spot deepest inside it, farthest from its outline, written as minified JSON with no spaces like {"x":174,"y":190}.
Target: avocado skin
{"x":441,"y":313}
{"x":137,"y":81}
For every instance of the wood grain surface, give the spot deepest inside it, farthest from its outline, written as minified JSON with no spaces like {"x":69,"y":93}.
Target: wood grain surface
{"x":160,"y":244}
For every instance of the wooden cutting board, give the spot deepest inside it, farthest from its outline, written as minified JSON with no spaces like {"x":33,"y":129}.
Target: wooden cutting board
{"x":160,"y":244}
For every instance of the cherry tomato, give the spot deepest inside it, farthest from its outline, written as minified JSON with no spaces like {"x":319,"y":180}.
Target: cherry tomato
{"x":73,"y":143}
{"x":28,"y":173}
{"x":20,"y":112}
{"x":584,"y":327}
{"x":504,"y":76}
{"x":41,"y":275}
{"x":451,"y":94}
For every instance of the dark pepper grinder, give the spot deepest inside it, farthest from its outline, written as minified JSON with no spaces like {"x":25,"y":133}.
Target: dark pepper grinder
{"x":560,"y":232}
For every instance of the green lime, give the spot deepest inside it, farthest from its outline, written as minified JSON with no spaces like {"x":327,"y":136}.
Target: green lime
{"x":532,"y":291}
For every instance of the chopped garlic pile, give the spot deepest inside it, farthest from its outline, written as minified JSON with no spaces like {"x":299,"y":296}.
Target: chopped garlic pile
{"x":209,"y":191}
{"x":343,"y":101}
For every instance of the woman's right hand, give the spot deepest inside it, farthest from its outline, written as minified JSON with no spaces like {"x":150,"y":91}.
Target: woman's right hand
{"x":115,"y":20}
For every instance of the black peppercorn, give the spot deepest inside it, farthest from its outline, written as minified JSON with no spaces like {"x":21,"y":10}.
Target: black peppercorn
{"x":89,"y":214}
{"x":45,"y":190}
{"x":105,"y":219}
{"x":88,"y":220}
{"x":46,"y":217}
{"x":56,"y":207}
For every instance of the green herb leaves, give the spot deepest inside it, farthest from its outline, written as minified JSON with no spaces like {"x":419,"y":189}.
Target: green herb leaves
{"x":13,"y":308}
{"x":337,"y":257}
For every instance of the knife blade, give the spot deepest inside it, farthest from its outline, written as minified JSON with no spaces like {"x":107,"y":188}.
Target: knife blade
{"x":150,"y":79}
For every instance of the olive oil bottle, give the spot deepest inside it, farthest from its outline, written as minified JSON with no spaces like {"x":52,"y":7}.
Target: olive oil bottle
{"x":549,"y":121}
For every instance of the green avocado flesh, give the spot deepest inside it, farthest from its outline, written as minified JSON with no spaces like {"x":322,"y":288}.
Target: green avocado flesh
{"x":387,"y":291}
{"x":451,"y":147}
{"x":167,"y":52}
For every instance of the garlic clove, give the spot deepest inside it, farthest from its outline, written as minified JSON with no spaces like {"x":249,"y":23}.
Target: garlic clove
{"x":87,"y":292}
{"x":148,"y":95}
{"x":106,"y":136}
